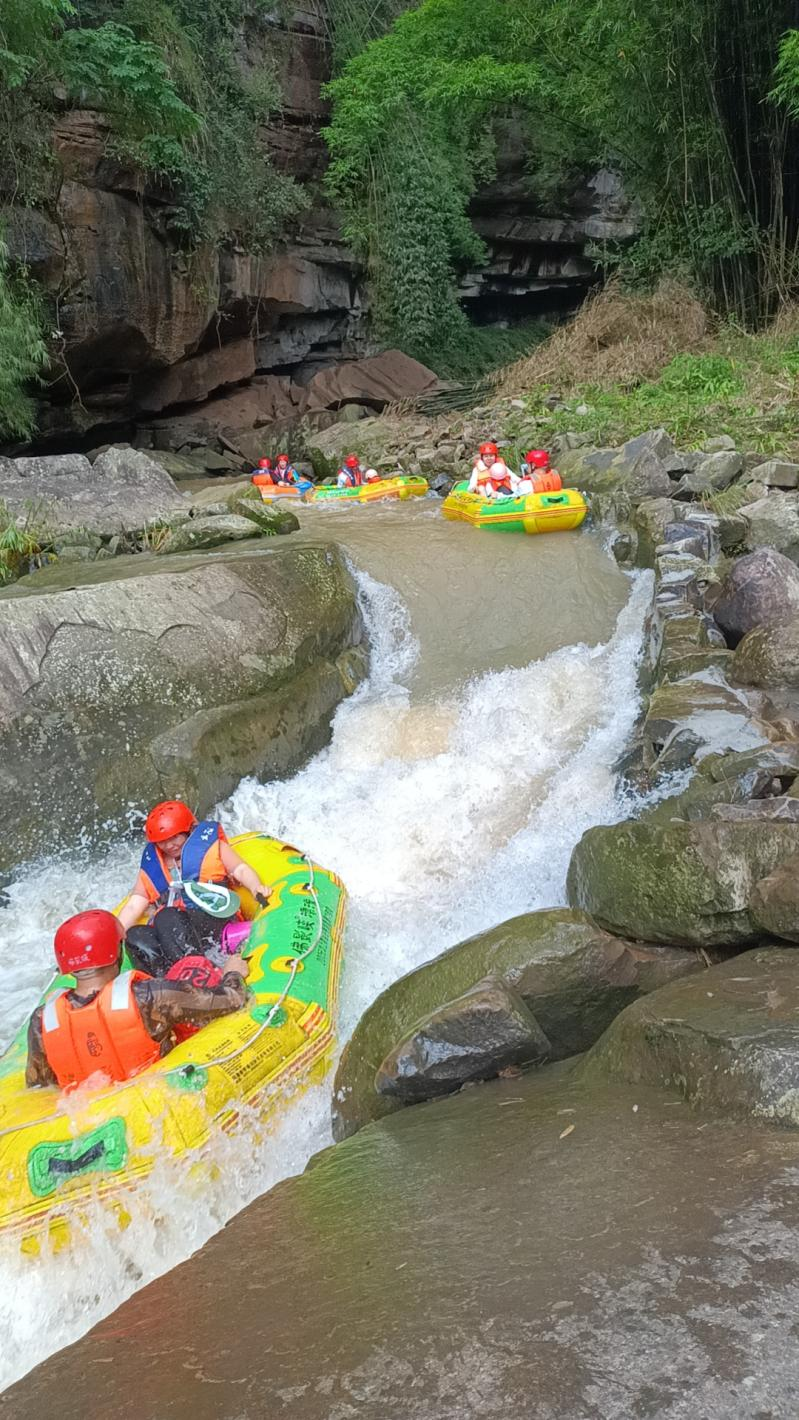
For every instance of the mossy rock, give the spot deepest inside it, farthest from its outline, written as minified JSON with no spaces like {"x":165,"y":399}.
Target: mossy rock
{"x":573,"y":976}
{"x":685,"y":883}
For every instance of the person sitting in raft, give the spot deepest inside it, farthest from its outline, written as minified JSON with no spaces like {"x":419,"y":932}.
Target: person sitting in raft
{"x":351,"y":475}
{"x":491,"y":477}
{"x":181,"y":854}
{"x":536,"y":475}
{"x":283,"y":471}
{"x":111,"y":1023}
{"x":263,"y":473}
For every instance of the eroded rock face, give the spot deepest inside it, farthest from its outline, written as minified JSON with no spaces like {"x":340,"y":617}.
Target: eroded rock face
{"x":166,"y":678}
{"x":571,"y":975}
{"x":729,"y":1041}
{"x":760,"y":589}
{"x":122,"y":490}
{"x":473,"y":1037}
{"x":687,"y":883}
{"x":775,"y":901}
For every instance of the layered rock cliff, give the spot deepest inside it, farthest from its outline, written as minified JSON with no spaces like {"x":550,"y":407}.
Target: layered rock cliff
{"x":142,"y":327}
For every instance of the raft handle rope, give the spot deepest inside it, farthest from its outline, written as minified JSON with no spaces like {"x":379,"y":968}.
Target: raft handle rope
{"x":191,"y":1066}
{"x":276,"y":1005}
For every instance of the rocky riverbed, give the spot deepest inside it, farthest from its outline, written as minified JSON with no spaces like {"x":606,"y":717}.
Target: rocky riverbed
{"x":660,"y":904}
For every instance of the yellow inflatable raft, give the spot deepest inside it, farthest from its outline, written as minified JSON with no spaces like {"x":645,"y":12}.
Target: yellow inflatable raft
{"x":403,"y":486}
{"x":533,"y":513}
{"x":58,"y":1152}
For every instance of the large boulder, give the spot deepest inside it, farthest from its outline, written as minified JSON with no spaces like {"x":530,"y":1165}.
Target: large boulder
{"x":712,"y":474}
{"x":197,"y":533}
{"x":760,"y":589}
{"x":271,"y":519}
{"x":165,"y":678}
{"x":573,"y":977}
{"x":775,"y":901}
{"x":483,"y":1031}
{"x":122,"y":490}
{"x":773,"y":522}
{"x":775,"y":473}
{"x":711,"y":712}
{"x":769,"y":656}
{"x":687,"y":883}
{"x":728,"y":1042}
{"x":378,"y":380}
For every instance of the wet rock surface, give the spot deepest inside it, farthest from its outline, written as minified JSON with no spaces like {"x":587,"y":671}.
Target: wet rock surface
{"x":537,"y":1248}
{"x":728,"y":1042}
{"x":573,"y":976}
{"x":166,"y":677}
{"x":688,"y":883}
{"x":473,"y":1037}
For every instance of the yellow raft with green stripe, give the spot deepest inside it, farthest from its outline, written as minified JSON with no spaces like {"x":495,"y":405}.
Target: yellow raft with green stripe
{"x":59,"y":1152}
{"x":532,"y":513}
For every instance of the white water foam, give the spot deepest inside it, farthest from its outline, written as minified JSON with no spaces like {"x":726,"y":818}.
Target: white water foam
{"x":442,"y":817}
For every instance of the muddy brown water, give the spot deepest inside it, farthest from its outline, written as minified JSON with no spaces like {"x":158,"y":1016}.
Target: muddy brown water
{"x":459,"y":1260}
{"x":529,"y":1248}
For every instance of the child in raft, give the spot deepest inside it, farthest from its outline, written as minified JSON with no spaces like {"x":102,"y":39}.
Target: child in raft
{"x":491,"y":477}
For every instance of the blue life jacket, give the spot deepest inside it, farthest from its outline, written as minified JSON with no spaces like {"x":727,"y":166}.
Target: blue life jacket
{"x":202,"y":837}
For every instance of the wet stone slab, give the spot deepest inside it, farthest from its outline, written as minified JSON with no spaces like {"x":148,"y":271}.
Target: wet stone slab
{"x":527,"y":1250}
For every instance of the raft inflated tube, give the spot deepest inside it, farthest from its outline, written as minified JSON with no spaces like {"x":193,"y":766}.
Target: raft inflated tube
{"x":402,"y":486}
{"x":271,"y":491}
{"x":532,"y":513}
{"x":54,"y":1162}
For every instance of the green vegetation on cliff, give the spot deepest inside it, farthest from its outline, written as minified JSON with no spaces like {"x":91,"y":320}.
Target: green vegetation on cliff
{"x":183,"y":106}
{"x":694,"y":102}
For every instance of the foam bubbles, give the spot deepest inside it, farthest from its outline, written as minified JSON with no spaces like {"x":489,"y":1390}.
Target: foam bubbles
{"x":443,"y":815}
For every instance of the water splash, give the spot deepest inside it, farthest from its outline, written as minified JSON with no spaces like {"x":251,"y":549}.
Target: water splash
{"x":443,"y":815}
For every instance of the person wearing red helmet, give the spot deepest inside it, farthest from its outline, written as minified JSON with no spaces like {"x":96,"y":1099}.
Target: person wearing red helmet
{"x":180,"y":852}
{"x":115,"y":1023}
{"x":351,"y":475}
{"x":536,"y":475}
{"x":491,"y":477}
{"x":284,"y":473}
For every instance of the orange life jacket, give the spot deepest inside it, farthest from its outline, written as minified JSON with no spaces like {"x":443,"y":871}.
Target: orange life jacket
{"x":547,"y":482}
{"x":200,"y":861}
{"x":106,"y":1034}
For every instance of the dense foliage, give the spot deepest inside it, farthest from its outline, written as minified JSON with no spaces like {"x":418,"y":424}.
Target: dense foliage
{"x":695,"y":101}
{"x":182,"y":106}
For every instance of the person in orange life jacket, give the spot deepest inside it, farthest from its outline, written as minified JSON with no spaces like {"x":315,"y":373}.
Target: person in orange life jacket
{"x":351,"y":475}
{"x":110,"y":1023}
{"x":264,"y":469}
{"x":179,"y":850}
{"x":491,"y":477}
{"x":536,"y":475}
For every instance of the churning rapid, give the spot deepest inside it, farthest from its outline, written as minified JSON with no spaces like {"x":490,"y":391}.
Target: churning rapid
{"x":457,"y":781}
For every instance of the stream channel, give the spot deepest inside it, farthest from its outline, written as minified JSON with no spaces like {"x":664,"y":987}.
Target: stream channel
{"x":458,"y":779}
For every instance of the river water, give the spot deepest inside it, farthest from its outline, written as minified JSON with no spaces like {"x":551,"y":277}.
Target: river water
{"x":457,"y":781}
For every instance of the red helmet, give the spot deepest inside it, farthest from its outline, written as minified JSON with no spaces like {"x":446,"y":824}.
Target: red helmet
{"x":264,"y":463}
{"x":167,"y":819}
{"x":489,"y":449}
{"x":352,"y":461}
{"x":87,"y":941}
{"x":282,"y":458}
{"x":539,"y":458}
